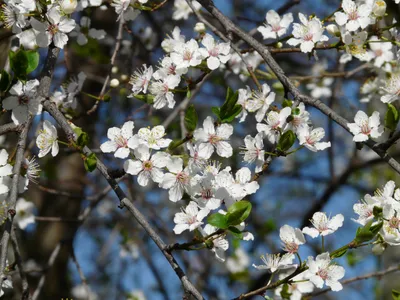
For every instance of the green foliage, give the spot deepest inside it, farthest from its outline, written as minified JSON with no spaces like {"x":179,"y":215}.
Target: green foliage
{"x":285,"y":292}
{"x":391,"y":117}
{"x":90,"y":162}
{"x":5,"y":81}
{"x":368,"y":232}
{"x":395,"y":295}
{"x":286,"y":141}
{"x":82,"y":137}
{"x":339,"y":253}
{"x":149,"y":99}
{"x":236,"y":214}
{"x":287,"y":103}
{"x":23,"y":62}
{"x":191,"y":118}
{"x":229,"y":110}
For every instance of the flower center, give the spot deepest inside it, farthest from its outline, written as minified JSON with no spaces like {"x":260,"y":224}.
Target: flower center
{"x":365,"y":128}
{"x":53,"y":29}
{"x":213,"y":139}
{"x":121,"y":142}
{"x":353,"y":15}
{"x":323,"y":273}
{"x":291,"y":247}
{"x":187,"y":55}
{"x":394,"y":223}
{"x":147,"y":165}
{"x":213,"y":52}
{"x":23,"y":100}
{"x":206,"y":194}
{"x":182,"y":177}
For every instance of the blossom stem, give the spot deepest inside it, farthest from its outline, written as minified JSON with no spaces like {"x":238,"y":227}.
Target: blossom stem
{"x":63,"y":143}
{"x":322,"y":243}
{"x":298,"y":256}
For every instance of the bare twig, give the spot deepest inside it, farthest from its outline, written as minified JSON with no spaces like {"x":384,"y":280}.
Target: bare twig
{"x":17,"y":254}
{"x":10,"y":127}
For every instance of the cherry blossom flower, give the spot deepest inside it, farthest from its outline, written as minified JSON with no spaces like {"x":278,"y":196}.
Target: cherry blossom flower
{"x":323,"y":225}
{"x":168,"y":67}
{"x":207,"y":193}
{"x":322,"y":88}
{"x":146,"y":167}
{"x":68,"y":6}
{"x":47,"y":140}
{"x":140,"y":80}
{"x":260,"y":102}
{"x":298,"y":287}
{"x":291,"y":238}
{"x":354,"y":17}
{"x":310,"y":138}
{"x":365,"y":209}
{"x":391,"y":89}
{"x":391,"y":226}
{"x":307,"y":34}
{"x":196,"y":162}
{"x":182,"y":10}
{"x":275,"y":123}
{"x":243,"y":185}
{"x":5,"y":170}
{"x":190,"y":218}
{"x":83,"y":31}
{"x":24,"y":213}
{"x":243,"y":100}
{"x":275,"y":26}
{"x":32,"y":169}
{"x":354,"y":46}
{"x":174,"y":41}
{"x":381,"y":51}
{"x":300,"y":118}
{"x":238,"y":262}
{"x":177,"y":181}
{"x":161,"y":90}
{"x":365,"y":127}
{"x":23,"y":101}
{"x":209,"y":138}
{"x":220,"y":245}
{"x":118,"y":140}
{"x":214,"y":52}
{"x":154,"y":138}
{"x":323,"y":270}
{"x":188,"y":55}
{"x":14,"y":16}
{"x":254,"y":151}
{"x":379,"y":8}
{"x":275,"y":262}
{"x":55,"y":30}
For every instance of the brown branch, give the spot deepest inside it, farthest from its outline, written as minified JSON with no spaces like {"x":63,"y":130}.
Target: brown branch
{"x":17,"y":254}
{"x":10,"y":127}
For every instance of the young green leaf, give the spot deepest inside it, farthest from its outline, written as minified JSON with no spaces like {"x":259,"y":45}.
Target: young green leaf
{"x":238,"y":212}
{"x":218,"y":220}
{"x":5,"y":81}
{"x":391,"y":117}
{"x":90,"y":162}
{"x":191,"y":118}
{"x":286,"y":140}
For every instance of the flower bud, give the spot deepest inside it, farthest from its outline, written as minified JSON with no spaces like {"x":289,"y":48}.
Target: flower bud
{"x":114,"y":70}
{"x":200,"y":27}
{"x":114,"y":83}
{"x":279,"y":45}
{"x":68,"y":6}
{"x":378,"y":249}
{"x":124,"y":77}
{"x":379,"y":8}
{"x":333,"y":30}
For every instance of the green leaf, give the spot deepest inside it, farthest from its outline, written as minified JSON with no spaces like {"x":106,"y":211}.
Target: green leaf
{"x":377,"y":211}
{"x":287,"y":103}
{"x":33,"y":60}
{"x":395,"y":295}
{"x":285,"y":292}
{"x":216,"y":112}
{"x":5,"y":81}
{"x":149,"y":99}
{"x":90,"y":162}
{"x":233,"y":113}
{"x":368,"y":232}
{"x":191,"y":118}
{"x":19,"y":63}
{"x":236,"y":232}
{"x":238,"y":212}
{"x":82,"y":139}
{"x":218,"y":220}
{"x":339,"y":254}
{"x":286,"y":140}
{"x":391,"y":117}
{"x":296,"y":111}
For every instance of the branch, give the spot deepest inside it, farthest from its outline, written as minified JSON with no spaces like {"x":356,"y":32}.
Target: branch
{"x":288,"y":85}
{"x":124,"y":201}
{"x":17,"y":254}
{"x":10,"y":127}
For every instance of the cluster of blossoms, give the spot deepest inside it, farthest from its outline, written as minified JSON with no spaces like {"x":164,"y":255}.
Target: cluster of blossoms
{"x":319,"y":270}
{"x":181,"y":55}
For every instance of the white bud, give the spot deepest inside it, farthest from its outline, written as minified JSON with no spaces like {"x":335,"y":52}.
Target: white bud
{"x":124,"y":77}
{"x":378,"y":249}
{"x":279,"y":45}
{"x":200,"y":27}
{"x":333,"y":30}
{"x":68,"y":6}
{"x":379,"y":8}
{"x":114,"y":82}
{"x":114,"y":70}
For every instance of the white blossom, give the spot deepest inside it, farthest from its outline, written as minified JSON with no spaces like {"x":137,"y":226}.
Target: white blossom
{"x":188,"y":55}
{"x":209,"y":138}
{"x":47,"y":140}
{"x":310,"y":138}
{"x":23,"y":101}
{"x":298,"y":287}
{"x":238,"y":262}
{"x":152,"y":138}
{"x":365,"y":127}
{"x":275,"y":26}
{"x":190,"y":218}
{"x":216,"y":53}
{"x":291,"y":238}
{"x":220,"y":245}
{"x":354,"y":17}
{"x":161,"y":90}
{"x":124,"y":9}
{"x":140,"y":79}
{"x":323,"y":270}
{"x":5,"y":170}
{"x":254,"y":151}
{"x":260,"y":102}
{"x":275,"y":262}
{"x":24,"y":213}
{"x":381,"y":51}
{"x":146,"y":167}
{"x":307,"y":34}
{"x":276,"y":122}
{"x":323,"y":225}
{"x":174,"y":41}
{"x":118,"y":140}
{"x":321,"y":88}
{"x":391,"y":89}
{"x":182,"y":10}
{"x":177,"y":180}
